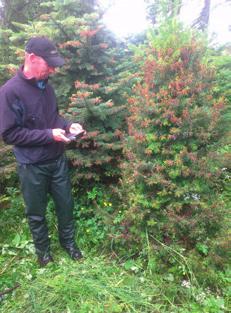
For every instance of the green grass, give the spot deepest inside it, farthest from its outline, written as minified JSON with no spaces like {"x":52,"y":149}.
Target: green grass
{"x":102,"y":283}
{"x":98,"y":284}
{"x":95,"y":285}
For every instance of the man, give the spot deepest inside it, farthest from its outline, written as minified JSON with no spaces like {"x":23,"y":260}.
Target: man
{"x":29,"y":120}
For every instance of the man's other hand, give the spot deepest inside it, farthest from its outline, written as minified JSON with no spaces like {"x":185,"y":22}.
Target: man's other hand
{"x":59,"y":135}
{"x":76,"y":128}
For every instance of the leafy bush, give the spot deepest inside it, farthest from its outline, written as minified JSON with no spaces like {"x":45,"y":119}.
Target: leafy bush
{"x":171,"y":180}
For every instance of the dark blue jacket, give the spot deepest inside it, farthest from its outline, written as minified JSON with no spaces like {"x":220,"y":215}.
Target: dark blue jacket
{"x":27,"y":116}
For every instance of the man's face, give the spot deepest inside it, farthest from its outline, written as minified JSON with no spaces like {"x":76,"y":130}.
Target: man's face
{"x":40,"y":69}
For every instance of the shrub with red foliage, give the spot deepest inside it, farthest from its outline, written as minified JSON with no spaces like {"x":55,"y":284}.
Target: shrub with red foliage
{"x":170,"y":180}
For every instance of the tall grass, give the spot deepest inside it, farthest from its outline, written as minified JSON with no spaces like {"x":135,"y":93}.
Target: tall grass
{"x":102,"y":282}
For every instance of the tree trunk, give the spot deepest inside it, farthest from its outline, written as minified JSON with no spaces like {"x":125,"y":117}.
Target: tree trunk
{"x":202,"y":21}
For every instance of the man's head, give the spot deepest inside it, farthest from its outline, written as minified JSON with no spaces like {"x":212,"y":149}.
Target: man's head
{"x":41,"y":58}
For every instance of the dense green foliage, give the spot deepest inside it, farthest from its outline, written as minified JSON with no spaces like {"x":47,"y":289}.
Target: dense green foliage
{"x":151,"y":179}
{"x":175,"y":127}
{"x":103,"y":282}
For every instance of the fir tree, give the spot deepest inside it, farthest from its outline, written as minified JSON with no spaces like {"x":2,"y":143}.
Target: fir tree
{"x":92,"y":57}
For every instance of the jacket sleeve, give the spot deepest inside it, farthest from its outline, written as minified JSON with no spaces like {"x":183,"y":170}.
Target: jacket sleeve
{"x":64,"y":124}
{"x":11,"y":127}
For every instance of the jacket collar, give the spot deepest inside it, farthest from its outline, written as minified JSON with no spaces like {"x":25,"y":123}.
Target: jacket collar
{"x":32,"y":81}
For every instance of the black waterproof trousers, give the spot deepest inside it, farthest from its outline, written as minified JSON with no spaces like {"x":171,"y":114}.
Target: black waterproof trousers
{"x":37,"y":181}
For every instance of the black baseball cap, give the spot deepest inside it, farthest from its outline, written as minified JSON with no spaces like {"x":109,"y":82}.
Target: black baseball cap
{"x":44,"y":48}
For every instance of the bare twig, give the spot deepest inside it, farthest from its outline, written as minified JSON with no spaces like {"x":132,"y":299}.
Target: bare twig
{"x":9,"y":290}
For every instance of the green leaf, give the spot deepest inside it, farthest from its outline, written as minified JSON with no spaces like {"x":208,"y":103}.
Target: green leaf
{"x":202,"y":248}
{"x":16,"y":240}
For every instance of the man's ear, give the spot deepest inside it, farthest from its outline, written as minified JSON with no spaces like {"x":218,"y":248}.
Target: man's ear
{"x":32,"y":57}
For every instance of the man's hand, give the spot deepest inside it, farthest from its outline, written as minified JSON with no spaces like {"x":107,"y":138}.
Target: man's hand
{"x":76,"y":128}
{"x":59,"y":135}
